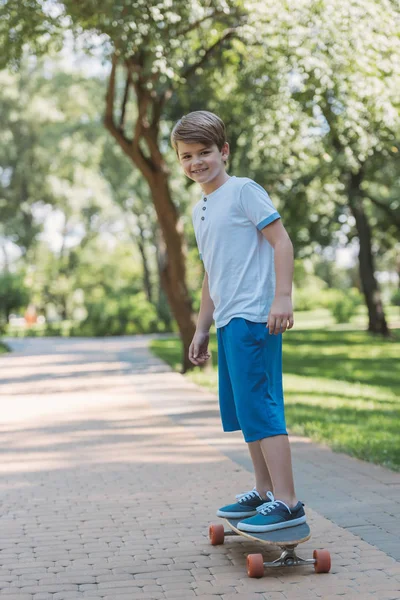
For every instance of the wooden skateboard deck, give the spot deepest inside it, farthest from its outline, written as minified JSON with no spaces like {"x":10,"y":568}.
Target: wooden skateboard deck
{"x":290,"y":536}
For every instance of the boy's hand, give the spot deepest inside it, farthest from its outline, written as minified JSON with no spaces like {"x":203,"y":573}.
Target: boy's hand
{"x":280,"y":316}
{"x":198,"y":350}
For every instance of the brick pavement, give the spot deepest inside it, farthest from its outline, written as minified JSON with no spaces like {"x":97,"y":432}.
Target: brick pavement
{"x":105,"y":494}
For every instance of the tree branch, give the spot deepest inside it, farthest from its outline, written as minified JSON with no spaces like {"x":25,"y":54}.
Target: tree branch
{"x":109,"y":113}
{"x":127,"y":145}
{"x":109,"y":122}
{"x":128,"y":83}
{"x":195,"y":24}
{"x":142,"y":102}
{"x":395,"y":217}
{"x":227,"y":34}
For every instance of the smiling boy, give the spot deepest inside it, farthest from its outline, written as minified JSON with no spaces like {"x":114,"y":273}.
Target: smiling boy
{"x":248,"y":260}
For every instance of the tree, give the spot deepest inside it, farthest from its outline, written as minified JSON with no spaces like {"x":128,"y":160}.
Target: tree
{"x":328,"y":82}
{"x":324,"y":125}
{"x":158,"y":48}
{"x":131,"y":193}
{"x":356,"y":102}
{"x":22,"y":184}
{"x":13,"y":295}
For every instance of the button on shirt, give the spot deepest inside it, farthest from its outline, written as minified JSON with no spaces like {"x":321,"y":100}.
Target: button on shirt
{"x":238,"y":259}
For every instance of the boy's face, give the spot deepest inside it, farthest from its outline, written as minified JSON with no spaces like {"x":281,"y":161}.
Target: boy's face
{"x":202,"y":163}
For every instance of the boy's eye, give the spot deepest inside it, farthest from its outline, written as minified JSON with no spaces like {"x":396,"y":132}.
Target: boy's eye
{"x":186,"y":156}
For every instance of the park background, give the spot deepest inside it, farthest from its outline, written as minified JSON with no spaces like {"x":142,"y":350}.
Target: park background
{"x":95,"y":215}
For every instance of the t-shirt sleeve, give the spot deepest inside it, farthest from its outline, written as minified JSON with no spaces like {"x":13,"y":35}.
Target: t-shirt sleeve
{"x":257,"y":205}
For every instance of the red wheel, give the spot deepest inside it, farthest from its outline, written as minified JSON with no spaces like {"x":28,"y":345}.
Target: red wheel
{"x":322,"y":561}
{"x":255,"y":565}
{"x":216,"y":534}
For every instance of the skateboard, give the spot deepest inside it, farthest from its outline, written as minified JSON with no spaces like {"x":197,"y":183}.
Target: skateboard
{"x":287,"y":539}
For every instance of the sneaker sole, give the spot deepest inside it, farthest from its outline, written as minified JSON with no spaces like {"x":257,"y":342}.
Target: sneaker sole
{"x":273,"y":527}
{"x":236,"y":515}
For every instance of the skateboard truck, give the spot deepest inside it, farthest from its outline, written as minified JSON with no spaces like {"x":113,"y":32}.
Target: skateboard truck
{"x":289,"y":558}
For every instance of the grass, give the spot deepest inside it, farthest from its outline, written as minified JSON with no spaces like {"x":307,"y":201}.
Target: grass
{"x":3,"y":348}
{"x":341,"y":386}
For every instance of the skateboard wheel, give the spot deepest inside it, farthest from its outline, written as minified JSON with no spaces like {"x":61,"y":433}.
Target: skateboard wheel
{"x":216,"y":534}
{"x":255,"y":565}
{"x":322,"y":561}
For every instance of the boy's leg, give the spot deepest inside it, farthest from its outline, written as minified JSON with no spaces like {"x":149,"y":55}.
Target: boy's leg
{"x":261,"y":471}
{"x":254,"y":359}
{"x":276,"y":451}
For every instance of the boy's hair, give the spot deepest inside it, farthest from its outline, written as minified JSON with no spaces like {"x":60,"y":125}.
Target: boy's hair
{"x":201,"y":127}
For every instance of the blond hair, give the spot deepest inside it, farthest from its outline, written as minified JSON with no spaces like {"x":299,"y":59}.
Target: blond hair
{"x":200,"y":127}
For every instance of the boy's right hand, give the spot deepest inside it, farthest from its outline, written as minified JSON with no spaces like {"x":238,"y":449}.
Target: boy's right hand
{"x":198,"y":350}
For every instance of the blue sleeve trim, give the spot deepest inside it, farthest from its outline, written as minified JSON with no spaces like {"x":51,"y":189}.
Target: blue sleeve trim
{"x":201,"y":257}
{"x":268,"y":220}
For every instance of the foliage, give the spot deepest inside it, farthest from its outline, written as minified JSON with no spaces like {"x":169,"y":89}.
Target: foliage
{"x":21,"y":187}
{"x":344,"y":303}
{"x":13,"y":294}
{"x":120,"y":315}
{"x":305,"y":299}
{"x":309,"y":94}
{"x":92,"y":251}
{"x":52,"y":144}
{"x":30,"y":24}
{"x":396,"y":298}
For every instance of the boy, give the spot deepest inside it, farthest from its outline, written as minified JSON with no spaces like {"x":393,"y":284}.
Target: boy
{"x":248,"y":260}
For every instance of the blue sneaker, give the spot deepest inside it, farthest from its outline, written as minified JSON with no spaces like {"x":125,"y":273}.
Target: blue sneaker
{"x":274,"y":515}
{"x":246,"y":506}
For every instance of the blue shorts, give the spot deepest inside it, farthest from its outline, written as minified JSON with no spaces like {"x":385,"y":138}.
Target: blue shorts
{"x":250,"y":379}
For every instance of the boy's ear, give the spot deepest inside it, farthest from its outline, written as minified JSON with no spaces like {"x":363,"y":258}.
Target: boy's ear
{"x":225,"y":151}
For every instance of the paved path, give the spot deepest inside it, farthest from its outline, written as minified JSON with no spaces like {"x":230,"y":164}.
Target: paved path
{"x":107,"y":456}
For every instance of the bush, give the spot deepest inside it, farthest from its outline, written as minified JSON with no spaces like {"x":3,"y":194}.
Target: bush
{"x":13,"y":293}
{"x":125,"y":315}
{"x":396,"y":298}
{"x":308,"y":295}
{"x":303,"y":299}
{"x":343,"y":304}
{"x":310,"y":298}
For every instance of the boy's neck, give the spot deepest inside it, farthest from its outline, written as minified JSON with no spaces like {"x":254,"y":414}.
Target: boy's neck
{"x":211,"y":186}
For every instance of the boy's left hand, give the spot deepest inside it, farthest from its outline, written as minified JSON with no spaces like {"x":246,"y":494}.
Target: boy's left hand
{"x":280,"y":316}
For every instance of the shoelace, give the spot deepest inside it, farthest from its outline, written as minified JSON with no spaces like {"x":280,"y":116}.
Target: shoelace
{"x":266,"y":508}
{"x":247,"y":495}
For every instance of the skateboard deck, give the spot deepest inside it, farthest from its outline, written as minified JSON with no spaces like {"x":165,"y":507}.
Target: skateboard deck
{"x":290,"y":536}
{"x":287,"y":539}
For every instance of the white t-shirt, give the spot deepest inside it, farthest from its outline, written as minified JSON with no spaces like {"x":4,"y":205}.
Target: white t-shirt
{"x":238,"y":259}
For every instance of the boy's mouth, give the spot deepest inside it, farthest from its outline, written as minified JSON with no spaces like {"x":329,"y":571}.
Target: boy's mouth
{"x":199,"y":171}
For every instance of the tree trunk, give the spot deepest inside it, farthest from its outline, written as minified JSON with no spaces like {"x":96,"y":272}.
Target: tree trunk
{"x":173,"y":271}
{"x":162,"y":301}
{"x":146,"y":270}
{"x":376,"y":316}
{"x":144,"y":152}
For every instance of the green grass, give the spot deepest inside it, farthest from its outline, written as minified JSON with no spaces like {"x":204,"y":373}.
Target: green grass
{"x":341,"y":386}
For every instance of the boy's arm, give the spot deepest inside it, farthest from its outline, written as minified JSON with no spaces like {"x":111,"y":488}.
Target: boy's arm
{"x":198,"y":350}
{"x":205,"y":318}
{"x":281,"y":314}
